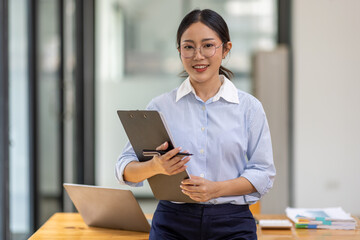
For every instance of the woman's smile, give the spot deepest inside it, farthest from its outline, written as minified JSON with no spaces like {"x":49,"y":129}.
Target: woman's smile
{"x":201,"y":67}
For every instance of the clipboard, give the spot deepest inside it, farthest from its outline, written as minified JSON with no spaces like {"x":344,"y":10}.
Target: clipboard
{"x":147,"y":129}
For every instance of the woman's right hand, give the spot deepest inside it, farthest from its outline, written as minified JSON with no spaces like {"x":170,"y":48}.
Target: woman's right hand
{"x":169,"y":163}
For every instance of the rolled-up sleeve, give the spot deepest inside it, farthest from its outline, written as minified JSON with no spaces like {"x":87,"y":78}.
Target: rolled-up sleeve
{"x":260,"y":169}
{"x":128,"y":155}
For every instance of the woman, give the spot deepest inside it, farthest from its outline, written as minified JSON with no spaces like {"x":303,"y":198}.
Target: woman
{"x":226,"y":130}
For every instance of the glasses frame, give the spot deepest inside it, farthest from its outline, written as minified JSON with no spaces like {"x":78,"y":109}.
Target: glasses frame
{"x":199,"y":49}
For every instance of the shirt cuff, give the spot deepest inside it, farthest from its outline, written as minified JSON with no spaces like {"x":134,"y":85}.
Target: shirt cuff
{"x":259,"y":180}
{"x":252,"y":198}
{"x":119,"y":173}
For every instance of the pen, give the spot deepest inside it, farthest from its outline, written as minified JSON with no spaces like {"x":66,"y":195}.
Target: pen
{"x":148,"y":152}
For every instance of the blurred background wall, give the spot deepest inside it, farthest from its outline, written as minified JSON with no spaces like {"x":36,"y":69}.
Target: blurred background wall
{"x":68,"y":65}
{"x":326,"y":112}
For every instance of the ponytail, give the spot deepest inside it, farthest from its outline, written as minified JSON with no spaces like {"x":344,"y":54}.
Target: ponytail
{"x":226,"y":72}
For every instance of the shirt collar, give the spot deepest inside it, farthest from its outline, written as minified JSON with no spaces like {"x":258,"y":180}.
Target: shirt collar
{"x":227,"y":91}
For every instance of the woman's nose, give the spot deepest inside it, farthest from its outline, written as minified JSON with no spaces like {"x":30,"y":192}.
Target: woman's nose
{"x":197,"y":54}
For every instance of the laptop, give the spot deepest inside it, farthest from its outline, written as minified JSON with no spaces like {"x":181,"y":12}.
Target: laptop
{"x":108,"y":207}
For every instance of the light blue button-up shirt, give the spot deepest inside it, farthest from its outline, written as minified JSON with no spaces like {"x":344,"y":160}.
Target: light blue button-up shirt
{"x":228,"y":135}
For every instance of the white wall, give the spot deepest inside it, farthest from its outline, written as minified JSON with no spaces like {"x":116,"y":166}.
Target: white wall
{"x":326,"y":37}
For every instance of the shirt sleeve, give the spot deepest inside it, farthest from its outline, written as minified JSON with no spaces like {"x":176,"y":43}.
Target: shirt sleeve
{"x":260,"y":169}
{"x":128,"y":155}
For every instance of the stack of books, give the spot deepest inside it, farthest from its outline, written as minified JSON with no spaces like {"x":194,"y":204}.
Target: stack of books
{"x":321,"y":218}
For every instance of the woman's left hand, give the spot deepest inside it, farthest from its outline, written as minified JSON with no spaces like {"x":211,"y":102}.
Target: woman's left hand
{"x":199,"y":189}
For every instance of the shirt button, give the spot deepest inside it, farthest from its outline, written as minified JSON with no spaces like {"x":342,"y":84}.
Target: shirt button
{"x":201,"y":150}
{"x":202,"y":129}
{"x":202,"y":175}
{"x":203,"y":108}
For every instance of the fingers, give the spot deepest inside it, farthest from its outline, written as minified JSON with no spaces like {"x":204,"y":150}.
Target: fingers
{"x":176,"y":165}
{"x":179,"y":166}
{"x":169,"y":157}
{"x":193,"y":180}
{"x":170,"y":163}
{"x":197,"y":196}
{"x":198,"y":188}
{"x":172,"y":153}
{"x":193,"y":188}
{"x":194,"y":185}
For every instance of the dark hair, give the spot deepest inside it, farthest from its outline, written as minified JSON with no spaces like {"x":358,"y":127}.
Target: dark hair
{"x":214,"y":21}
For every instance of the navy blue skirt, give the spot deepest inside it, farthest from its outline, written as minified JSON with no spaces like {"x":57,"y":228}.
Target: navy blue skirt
{"x":202,"y":221}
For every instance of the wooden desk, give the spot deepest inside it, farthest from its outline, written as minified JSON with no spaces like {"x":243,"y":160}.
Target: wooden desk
{"x":71,"y":226}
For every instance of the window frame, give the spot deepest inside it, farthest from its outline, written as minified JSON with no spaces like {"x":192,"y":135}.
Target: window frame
{"x":4,"y":121}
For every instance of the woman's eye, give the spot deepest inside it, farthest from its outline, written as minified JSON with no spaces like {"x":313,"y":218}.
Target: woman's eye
{"x":208,"y":45}
{"x":188,"y":47}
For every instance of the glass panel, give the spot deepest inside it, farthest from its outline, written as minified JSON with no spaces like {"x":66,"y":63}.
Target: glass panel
{"x":69,"y":97}
{"x":252,"y":26}
{"x":135,"y":55}
{"x":48,"y":104}
{"x":18,"y":112}
{"x":137,"y":59}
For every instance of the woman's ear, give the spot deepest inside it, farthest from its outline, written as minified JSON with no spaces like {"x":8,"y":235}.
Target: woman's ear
{"x":227,"y":47}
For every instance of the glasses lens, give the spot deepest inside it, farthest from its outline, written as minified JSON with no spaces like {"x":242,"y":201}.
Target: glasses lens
{"x":187,"y":51}
{"x":208,"y":50}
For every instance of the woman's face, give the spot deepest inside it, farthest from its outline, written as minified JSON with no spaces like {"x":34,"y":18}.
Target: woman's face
{"x":200,"y":68}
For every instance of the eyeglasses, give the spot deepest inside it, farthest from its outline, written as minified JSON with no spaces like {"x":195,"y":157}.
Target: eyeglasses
{"x":207,"y":50}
